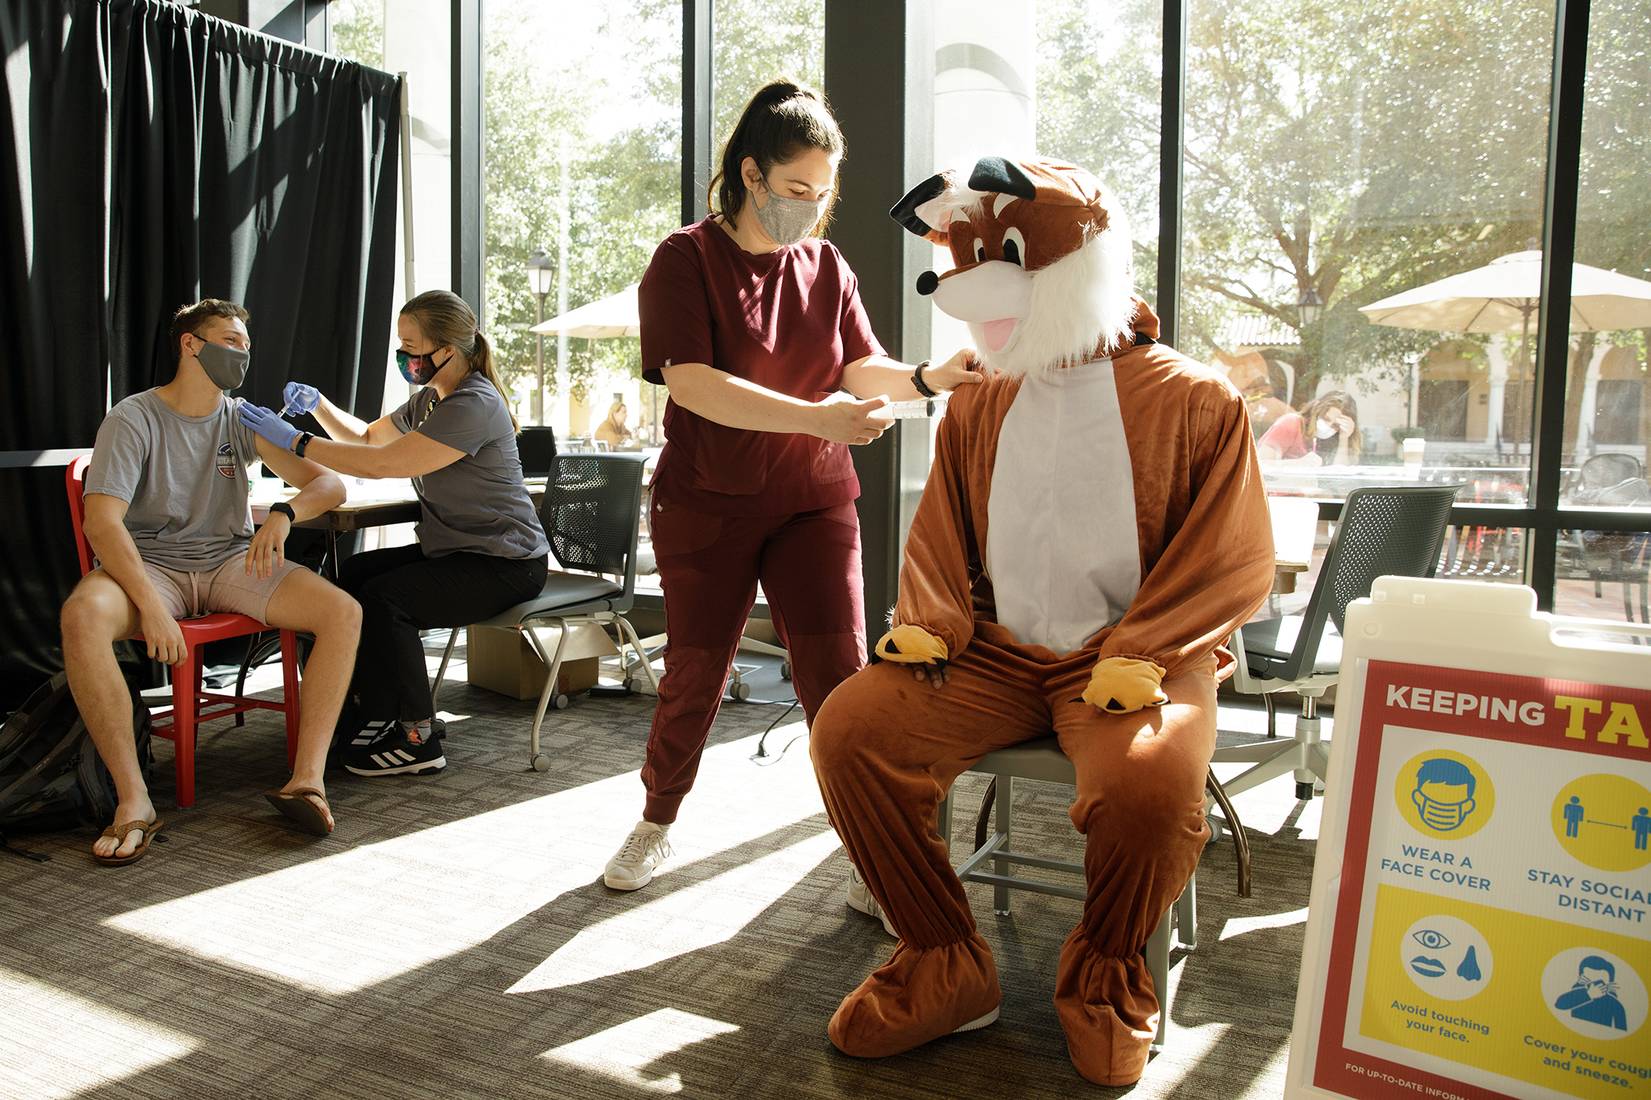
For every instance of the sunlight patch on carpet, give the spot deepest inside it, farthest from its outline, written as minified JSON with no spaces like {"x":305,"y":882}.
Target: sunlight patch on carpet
{"x":624,"y":1052}
{"x":680,"y":921}
{"x":1238,"y":926}
{"x":339,"y":923}
{"x":56,"y":1044}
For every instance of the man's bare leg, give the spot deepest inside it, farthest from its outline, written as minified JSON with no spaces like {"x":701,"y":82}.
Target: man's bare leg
{"x":307,"y":602}
{"x":96,"y":615}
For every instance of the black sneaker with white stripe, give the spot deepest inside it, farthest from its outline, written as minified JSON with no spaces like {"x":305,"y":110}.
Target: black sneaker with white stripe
{"x":391,"y":753}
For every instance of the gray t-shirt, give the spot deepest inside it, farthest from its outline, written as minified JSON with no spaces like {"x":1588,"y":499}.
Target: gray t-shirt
{"x":184,"y":479}
{"x":477,"y":504}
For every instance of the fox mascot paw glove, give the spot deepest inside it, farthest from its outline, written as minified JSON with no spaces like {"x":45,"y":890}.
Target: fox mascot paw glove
{"x":911,"y":645}
{"x":1121,"y":685}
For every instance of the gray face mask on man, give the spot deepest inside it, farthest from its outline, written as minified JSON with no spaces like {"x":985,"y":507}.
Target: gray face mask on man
{"x":226,"y":366}
{"x":785,"y":219}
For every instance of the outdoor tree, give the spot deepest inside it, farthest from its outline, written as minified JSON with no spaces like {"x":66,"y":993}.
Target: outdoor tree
{"x":548,"y":118}
{"x":1350,"y":150}
{"x":623,"y":193}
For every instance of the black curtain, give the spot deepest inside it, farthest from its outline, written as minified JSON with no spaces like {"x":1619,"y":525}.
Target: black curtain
{"x":169,"y":156}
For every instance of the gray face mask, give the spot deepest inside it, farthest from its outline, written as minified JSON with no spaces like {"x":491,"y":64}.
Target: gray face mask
{"x":787,"y":220}
{"x":226,"y":366}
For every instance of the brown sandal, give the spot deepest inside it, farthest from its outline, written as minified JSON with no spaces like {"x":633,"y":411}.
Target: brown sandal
{"x":119,"y":832}
{"x":295,"y":805}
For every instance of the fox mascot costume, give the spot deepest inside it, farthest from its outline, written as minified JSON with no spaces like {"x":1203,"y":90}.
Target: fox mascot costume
{"x":1092,"y":530}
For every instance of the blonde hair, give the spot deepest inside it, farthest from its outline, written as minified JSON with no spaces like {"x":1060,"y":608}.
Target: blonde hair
{"x":448,"y":320}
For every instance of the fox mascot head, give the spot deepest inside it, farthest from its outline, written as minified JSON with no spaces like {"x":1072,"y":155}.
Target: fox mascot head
{"x":1041,"y":256}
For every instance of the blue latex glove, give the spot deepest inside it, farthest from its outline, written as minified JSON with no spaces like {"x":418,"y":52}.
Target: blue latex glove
{"x":269,"y":425}
{"x":299,"y":399}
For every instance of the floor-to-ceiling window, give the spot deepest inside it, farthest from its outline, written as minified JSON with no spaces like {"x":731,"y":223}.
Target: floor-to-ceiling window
{"x":1607,"y":421}
{"x":1336,"y":158}
{"x":755,"y":42}
{"x":1357,"y":177}
{"x":1343,"y":155}
{"x":581,"y":153}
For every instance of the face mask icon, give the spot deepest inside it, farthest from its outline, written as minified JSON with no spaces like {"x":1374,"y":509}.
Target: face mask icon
{"x":1444,"y":816}
{"x":1443,"y":795}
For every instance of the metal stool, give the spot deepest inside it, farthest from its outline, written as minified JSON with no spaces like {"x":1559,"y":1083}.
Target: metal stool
{"x":1043,"y":760}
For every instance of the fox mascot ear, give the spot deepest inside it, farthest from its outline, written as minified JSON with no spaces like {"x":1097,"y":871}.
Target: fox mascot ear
{"x":925,"y":210}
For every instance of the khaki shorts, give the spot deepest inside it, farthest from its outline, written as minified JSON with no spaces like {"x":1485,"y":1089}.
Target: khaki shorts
{"x":227,"y":587}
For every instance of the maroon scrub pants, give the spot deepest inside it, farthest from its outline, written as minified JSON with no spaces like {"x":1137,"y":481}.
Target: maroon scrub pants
{"x":809,"y":566}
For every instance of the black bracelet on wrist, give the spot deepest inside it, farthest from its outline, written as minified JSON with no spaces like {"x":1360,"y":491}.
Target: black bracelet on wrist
{"x":285,"y":509}
{"x":917,"y":381}
{"x":302,"y":444}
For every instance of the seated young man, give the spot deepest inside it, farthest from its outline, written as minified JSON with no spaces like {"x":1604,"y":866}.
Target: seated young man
{"x":168,"y":519}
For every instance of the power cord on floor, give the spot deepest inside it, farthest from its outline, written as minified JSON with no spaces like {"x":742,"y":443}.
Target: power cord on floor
{"x":761,"y":757}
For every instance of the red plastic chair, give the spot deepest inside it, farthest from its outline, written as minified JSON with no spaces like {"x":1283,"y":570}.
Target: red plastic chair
{"x":179,"y":722}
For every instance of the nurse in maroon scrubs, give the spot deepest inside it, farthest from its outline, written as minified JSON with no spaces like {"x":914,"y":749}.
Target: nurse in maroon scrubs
{"x":754,"y":324}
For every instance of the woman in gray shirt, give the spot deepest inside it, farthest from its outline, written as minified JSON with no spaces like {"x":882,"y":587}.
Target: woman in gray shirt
{"x":480,"y":546}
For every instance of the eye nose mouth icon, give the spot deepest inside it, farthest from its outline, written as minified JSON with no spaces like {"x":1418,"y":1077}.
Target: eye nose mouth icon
{"x":926,"y":283}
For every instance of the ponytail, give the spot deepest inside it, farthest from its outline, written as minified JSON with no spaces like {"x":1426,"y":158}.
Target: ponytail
{"x":481,"y":359}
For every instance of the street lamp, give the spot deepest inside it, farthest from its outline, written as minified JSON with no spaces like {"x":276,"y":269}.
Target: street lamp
{"x":1411,"y":360}
{"x":539,"y":278}
{"x":1309,"y":306}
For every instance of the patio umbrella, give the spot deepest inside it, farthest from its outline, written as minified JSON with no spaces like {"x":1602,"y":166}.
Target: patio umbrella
{"x":615,"y":315}
{"x":1504,"y":295}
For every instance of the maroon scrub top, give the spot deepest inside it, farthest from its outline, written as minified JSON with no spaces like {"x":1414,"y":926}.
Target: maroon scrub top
{"x":787,"y":320}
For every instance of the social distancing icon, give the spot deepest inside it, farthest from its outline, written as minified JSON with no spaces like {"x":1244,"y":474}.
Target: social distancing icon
{"x":1604,"y":821}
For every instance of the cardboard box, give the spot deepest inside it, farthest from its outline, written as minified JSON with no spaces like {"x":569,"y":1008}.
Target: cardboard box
{"x":502,"y":660}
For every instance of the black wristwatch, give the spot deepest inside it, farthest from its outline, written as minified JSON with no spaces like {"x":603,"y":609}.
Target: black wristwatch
{"x":285,"y":509}
{"x":917,"y":380}
{"x":302,"y":444}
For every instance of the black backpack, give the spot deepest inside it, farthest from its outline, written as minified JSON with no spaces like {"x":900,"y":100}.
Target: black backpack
{"x":50,"y":774}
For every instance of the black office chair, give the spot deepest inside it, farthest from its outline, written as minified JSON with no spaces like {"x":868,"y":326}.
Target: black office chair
{"x":1385,"y":531}
{"x":592,"y":514}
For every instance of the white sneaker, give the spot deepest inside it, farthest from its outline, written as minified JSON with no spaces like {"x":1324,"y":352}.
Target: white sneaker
{"x":860,"y":899}
{"x":643,"y":852}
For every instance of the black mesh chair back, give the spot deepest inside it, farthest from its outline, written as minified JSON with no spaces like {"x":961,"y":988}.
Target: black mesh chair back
{"x":537,"y":446}
{"x":1386,"y":531}
{"x":592,"y":513}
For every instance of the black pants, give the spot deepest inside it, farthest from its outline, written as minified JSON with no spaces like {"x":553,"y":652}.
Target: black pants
{"x":402,"y":592}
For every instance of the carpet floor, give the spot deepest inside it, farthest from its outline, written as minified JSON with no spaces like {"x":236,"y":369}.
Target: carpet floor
{"x":453,"y":938}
